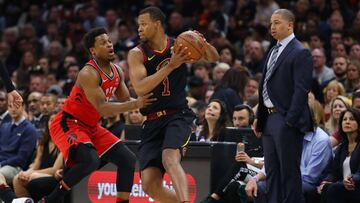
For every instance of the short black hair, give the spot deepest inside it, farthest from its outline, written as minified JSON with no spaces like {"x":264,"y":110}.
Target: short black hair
{"x":89,"y":38}
{"x":155,"y":14}
{"x":240,"y":107}
{"x":286,"y":14}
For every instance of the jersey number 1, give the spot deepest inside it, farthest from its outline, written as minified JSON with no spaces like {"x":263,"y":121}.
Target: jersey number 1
{"x":165,"y":82}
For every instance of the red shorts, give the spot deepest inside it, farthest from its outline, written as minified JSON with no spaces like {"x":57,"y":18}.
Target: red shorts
{"x":66,"y":132}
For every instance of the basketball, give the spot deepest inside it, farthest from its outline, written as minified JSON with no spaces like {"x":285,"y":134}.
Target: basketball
{"x":193,"y":42}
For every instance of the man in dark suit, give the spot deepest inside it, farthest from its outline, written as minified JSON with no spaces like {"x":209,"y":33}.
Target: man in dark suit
{"x":283,"y":115}
{"x":4,"y":114}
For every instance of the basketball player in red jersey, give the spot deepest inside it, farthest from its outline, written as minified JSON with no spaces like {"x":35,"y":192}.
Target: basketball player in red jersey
{"x":154,"y":68}
{"x":75,"y":130}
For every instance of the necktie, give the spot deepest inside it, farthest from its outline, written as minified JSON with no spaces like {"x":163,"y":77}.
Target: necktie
{"x":270,"y":69}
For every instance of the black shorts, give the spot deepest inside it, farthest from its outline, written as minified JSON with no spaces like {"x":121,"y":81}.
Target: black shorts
{"x":170,"y":131}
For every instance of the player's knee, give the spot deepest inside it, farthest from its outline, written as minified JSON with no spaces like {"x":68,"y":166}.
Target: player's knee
{"x":149,"y":188}
{"x":93,"y":164}
{"x":169,"y":162}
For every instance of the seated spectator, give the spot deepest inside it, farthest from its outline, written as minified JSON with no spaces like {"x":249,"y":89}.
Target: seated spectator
{"x":33,"y":106}
{"x":216,"y":120}
{"x":316,"y":156}
{"x":331,"y":91}
{"x":135,"y":117}
{"x":251,"y":89}
{"x":353,"y":76}
{"x":4,"y":114}
{"x":356,"y":100}
{"x":47,"y":161}
{"x":243,"y":116}
{"x":321,"y":71}
{"x":342,"y":183}
{"x":338,"y":105}
{"x":231,"y":88}
{"x":17,"y":144}
{"x":219,"y":72}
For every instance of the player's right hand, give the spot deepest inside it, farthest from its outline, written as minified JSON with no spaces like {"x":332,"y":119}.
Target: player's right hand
{"x":180,"y":55}
{"x":144,"y":101}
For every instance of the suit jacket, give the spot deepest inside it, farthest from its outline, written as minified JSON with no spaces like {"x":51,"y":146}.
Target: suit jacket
{"x":288,"y":87}
{"x":341,"y":153}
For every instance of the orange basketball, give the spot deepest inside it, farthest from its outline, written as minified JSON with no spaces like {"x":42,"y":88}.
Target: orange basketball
{"x":193,"y":42}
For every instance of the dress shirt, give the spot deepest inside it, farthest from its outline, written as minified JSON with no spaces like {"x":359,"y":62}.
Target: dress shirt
{"x":316,"y":155}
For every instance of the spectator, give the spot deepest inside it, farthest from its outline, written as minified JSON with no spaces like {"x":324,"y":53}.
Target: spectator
{"x":231,"y":88}
{"x":356,"y":100}
{"x":338,"y":105}
{"x":355,"y":51}
{"x":243,"y":116}
{"x":4,"y":113}
{"x":72,"y":73}
{"x":216,"y":120}
{"x":322,"y":72}
{"x":257,"y":58}
{"x":331,"y":91}
{"x":202,"y":70}
{"x":219,"y":72}
{"x":340,"y":64}
{"x":176,"y":24}
{"x":353,"y":75}
{"x":112,"y":22}
{"x":37,"y":83}
{"x":92,"y":20}
{"x":47,"y":161}
{"x":227,"y":55}
{"x":341,"y":184}
{"x":135,"y":117}
{"x":251,"y":88}
{"x":17,"y":144}
{"x":33,"y":103}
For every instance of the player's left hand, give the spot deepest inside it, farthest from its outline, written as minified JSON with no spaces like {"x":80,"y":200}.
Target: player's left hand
{"x":15,"y":99}
{"x":144,"y":100}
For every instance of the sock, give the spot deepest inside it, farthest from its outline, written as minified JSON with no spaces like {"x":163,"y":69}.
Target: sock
{"x":58,"y":193}
{"x":120,"y":200}
{"x":7,"y":194}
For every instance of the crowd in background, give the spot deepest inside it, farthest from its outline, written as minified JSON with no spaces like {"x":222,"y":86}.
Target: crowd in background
{"x":41,"y":46}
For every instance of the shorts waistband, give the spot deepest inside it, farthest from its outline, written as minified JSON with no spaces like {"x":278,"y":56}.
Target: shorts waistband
{"x":158,"y":114}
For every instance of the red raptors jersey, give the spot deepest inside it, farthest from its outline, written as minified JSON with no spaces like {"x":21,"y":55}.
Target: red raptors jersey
{"x":79,"y":106}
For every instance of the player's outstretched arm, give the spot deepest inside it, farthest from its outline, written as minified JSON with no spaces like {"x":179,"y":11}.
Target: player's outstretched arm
{"x":144,"y":84}
{"x":122,"y":93}
{"x":89,"y":80}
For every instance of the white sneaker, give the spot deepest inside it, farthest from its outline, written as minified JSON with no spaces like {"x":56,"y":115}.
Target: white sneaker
{"x":23,"y":200}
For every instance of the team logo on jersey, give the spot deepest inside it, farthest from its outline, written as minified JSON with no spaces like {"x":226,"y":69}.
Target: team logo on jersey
{"x":72,"y":138}
{"x":78,"y":97}
{"x":163,"y":63}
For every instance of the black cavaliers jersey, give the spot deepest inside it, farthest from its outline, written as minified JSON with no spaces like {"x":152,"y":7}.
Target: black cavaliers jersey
{"x":170,"y":93}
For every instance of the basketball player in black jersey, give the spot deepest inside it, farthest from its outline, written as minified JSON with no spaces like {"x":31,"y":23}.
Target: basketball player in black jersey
{"x":155,"y":68}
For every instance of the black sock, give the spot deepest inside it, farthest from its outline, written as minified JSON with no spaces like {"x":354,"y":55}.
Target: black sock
{"x":57,"y":194}
{"x":7,"y":195}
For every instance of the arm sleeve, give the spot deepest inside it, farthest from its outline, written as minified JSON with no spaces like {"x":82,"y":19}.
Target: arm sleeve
{"x":6,"y":79}
{"x":320,"y":157}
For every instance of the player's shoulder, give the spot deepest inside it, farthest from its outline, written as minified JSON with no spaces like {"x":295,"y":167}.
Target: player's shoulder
{"x":88,"y":72}
{"x":137,"y":53}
